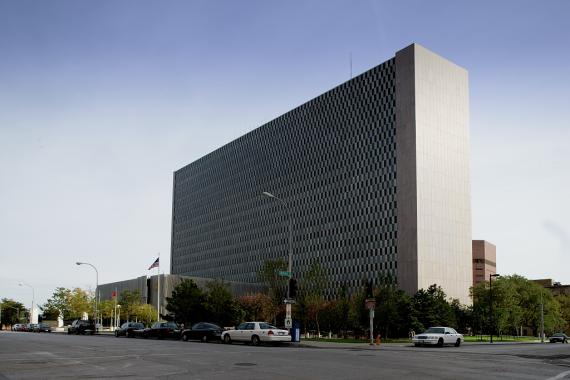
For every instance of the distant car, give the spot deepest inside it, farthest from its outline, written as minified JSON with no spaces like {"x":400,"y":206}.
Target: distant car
{"x":18,"y":327}
{"x":255,"y":333}
{"x":82,"y":327}
{"x":438,"y":336}
{"x":127,"y":329}
{"x":559,"y":337}
{"x":42,"y":327}
{"x":161,"y":330}
{"x":203,"y":331}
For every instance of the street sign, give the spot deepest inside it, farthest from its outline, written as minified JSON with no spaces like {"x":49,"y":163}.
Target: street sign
{"x":288,"y":323}
{"x":284,"y":273}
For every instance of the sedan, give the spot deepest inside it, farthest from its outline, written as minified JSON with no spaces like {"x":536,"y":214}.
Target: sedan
{"x":559,"y":337}
{"x":161,"y":330}
{"x":255,"y":333}
{"x":438,"y":336}
{"x":127,"y":329}
{"x":80,"y":326}
{"x":203,"y":331}
{"x":42,"y":327}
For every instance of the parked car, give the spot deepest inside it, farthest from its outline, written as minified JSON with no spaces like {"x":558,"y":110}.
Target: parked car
{"x":17,"y":327}
{"x":80,"y":326}
{"x":203,"y":331}
{"x":559,"y":337}
{"x":127,"y":329}
{"x":160,"y":330}
{"x":42,"y":327}
{"x":256,"y":332}
{"x":438,"y":336}
{"x":31,"y":327}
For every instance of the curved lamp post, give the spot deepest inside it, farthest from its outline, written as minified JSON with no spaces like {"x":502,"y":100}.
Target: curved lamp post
{"x":290,"y":260}
{"x":33,"y":300}
{"x":96,"y":290}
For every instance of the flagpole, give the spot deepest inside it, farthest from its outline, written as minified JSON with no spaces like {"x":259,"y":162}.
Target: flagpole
{"x":158,"y":296}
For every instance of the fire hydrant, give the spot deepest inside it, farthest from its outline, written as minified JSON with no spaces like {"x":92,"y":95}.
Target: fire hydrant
{"x":378,"y":339}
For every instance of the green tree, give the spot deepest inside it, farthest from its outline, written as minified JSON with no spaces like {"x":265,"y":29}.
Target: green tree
{"x":145,"y":313}
{"x":393,"y":313}
{"x":187,"y":303}
{"x":12,"y":312}
{"x":129,"y":300}
{"x":57,"y":305}
{"x":269,"y":276}
{"x":564,"y":307}
{"x":220,"y":305}
{"x":312,"y":293}
{"x":80,"y":302}
{"x":432,"y":309}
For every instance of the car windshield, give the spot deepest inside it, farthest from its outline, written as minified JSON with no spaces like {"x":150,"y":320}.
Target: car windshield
{"x":266,"y":326}
{"x":435,"y":330}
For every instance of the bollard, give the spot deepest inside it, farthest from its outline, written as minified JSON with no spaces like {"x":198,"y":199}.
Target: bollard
{"x":378,"y":339}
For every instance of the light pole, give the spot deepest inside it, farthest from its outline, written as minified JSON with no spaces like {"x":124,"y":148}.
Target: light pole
{"x":541,"y":317}
{"x":33,"y":300}
{"x":96,"y":290}
{"x":290,"y":260}
{"x":491,"y":302}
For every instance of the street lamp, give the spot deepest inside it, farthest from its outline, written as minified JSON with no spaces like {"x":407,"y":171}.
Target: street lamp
{"x":491,"y":302}
{"x":290,"y":260}
{"x":96,"y":289}
{"x":33,"y":300}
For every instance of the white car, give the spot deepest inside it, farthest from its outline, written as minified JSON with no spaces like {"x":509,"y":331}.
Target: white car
{"x":438,"y":336}
{"x":256,"y":332}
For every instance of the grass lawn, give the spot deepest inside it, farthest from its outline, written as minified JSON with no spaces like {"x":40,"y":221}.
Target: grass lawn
{"x":505,"y":338}
{"x":477,"y":338}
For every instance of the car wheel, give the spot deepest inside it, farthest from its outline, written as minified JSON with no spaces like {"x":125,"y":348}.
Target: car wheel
{"x":255,"y":340}
{"x":116,"y":333}
{"x":227,"y":339}
{"x":458,"y":343}
{"x":416,"y":344}
{"x":440,"y":342}
{"x":185,"y":337}
{"x":127,"y":335}
{"x":204,"y":339}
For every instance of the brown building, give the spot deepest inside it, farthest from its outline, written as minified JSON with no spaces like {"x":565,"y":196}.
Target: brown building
{"x":556,"y":288}
{"x":484,"y":260}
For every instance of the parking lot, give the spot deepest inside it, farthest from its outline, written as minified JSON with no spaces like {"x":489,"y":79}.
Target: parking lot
{"x":57,"y":356}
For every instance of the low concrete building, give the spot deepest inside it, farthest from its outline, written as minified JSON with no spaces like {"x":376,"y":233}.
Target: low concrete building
{"x":148,"y":288}
{"x":556,"y":288}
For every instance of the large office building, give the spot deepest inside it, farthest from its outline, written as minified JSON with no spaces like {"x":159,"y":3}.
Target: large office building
{"x":374,"y":179}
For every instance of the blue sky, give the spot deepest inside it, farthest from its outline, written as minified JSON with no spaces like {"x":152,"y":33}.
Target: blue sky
{"x":100,"y":101}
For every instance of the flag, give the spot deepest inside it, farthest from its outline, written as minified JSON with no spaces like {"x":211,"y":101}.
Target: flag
{"x":155,"y":264}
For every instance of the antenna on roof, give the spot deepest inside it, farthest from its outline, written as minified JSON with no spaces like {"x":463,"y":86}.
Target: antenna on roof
{"x":350,"y":65}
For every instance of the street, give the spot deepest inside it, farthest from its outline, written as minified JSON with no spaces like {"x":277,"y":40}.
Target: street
{"x":57,"y":356}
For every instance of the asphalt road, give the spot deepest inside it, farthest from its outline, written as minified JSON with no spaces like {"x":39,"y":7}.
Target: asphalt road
{"x":58,"y":356}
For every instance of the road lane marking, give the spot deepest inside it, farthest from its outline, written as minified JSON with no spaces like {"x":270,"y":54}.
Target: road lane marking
{"x":559,"y":376}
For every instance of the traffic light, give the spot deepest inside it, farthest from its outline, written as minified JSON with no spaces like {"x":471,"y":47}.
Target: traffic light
{"x":292,"y":288}
{"x":369,"y":290}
